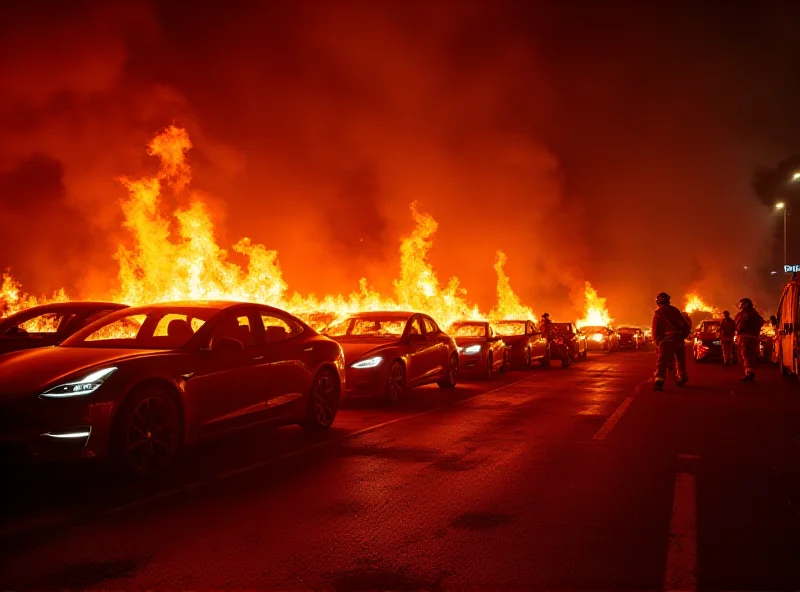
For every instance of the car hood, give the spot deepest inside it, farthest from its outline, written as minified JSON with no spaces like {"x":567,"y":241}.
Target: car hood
{"x":357,"y":348}
{"x":29,"y":371}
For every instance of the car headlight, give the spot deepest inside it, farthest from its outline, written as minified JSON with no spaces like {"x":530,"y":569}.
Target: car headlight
{"x":84,"y":386}
{"x":368,"y":363}
{"x":470,"y":349}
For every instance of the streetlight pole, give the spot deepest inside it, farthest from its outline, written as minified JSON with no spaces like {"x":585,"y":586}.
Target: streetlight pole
{"x":782,"y":206}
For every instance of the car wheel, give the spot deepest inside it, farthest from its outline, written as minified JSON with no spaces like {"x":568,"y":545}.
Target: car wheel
{"x":323,"y":402}
{"x":396,"y":386}
{"x":147,"y":432}
{"x":489,"y":372}
{"x":451,"y":379}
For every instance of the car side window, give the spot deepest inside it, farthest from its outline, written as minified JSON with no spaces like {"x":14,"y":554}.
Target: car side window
{"x":279,"y":329}
{"x":430,"y":326}
{"x":415,"y":327}
{"x":236,"y":325}
{"x":529,"y":328}
{"x":49,"y":322}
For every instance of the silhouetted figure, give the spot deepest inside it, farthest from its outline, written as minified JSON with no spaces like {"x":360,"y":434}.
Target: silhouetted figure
{"x":670,"y":329}
{"x":748,"y":330}
{"x":727,"y":331}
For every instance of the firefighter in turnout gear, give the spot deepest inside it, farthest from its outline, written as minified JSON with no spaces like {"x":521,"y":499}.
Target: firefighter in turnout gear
{"x":546,"y":327}
{"x":670,"y":329}
{"x":748,"y":329}
{"x":727,"y":331}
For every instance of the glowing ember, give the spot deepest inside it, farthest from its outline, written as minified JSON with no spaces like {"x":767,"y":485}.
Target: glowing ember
{"x":595,"y":313}
{"x":508,"y":305}
{"x":695,"y":304}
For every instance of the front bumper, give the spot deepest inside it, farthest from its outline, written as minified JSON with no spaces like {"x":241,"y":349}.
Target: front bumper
{"x":366,"y":381}
{"x":52,"y":429}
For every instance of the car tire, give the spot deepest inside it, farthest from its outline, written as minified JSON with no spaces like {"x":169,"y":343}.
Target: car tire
{"x":451,"y":379}
{"x":147,"y":433}
{"x":488,"y":373}
{"x":396,"y":382}
{"x":323,"y":401}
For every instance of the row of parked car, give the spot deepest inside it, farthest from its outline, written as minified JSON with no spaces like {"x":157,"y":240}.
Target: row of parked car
{"x":96,"y":380}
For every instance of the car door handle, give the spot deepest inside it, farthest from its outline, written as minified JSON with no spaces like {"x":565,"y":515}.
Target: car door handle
{"x":258,"y":358}
{"x":308,"y":349}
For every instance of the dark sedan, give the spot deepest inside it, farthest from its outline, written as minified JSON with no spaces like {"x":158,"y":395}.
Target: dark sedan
{"x":707,"y":344}
{"x":387,"y":353}
{"x":49,"y":324}
{"x":480,"y":350}
{"x":631,"y":338}
{"x":142,"y":382}
{"x":575,"y":341}
{"x":524,"y":342}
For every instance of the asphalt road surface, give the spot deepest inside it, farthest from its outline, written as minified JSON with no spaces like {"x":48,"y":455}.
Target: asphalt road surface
{"x":578,"y":478}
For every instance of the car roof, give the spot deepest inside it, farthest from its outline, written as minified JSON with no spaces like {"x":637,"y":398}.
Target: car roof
{"x":469,"y":322}
{"x":514,"y":321}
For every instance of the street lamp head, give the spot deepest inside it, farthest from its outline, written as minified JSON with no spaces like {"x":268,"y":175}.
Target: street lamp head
{"x":780,"y":206}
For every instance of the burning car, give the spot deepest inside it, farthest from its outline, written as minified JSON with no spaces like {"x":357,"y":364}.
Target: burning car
{"x":387,"y":353}
{"x":49,"y":324}
{"x":318,"y":321}
{"x":140,"y":383}
{"x":766,"y":344}
{"x":631,"y":338}
{"x":575,"y":341}
{"x":601,"y":338}
{"x":524,"y":343}
{"x":707,"y":344}
{"x":479,"y":348}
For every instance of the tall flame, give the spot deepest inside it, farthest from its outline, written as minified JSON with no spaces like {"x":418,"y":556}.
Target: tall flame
{"x":177,"y":257}
{"x":595,"y":313}
{"x":695,"y":304}
{"x":508,"y":304}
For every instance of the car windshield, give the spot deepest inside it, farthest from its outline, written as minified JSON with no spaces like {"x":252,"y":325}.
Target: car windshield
{"x":563,"y":327}
{"x":467,"y":330}
{"x":595,"y":329}
{"x":509,"y":328}
{"x":627,"y":330}
{"x":143,"y":328}
{"x":390,"y":327}
{"x":710,"y":328}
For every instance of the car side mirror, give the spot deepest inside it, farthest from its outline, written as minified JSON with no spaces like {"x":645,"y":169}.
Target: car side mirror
{"x":415,"y":337}
{"x":226,"y":344}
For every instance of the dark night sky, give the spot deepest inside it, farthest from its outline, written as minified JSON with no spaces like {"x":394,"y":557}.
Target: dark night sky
{"x":612,"y":141}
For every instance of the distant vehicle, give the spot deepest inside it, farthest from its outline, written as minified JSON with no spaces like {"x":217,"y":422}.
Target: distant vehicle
{"x":479,"y":348}
{"x":318,"y":321}
{"x":631,"y":338}
{"x":648,"y":335}
{"x":707,"y":344}
{"x":524,"y":342}
{"x":49,"y":324}
{"x":767,"y":352}
{"x":601,"y":338}
{"x":576,"y":342}
{"x":139,"y":384}
{"x":787,"y":327}
{"x":387,"y":353}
